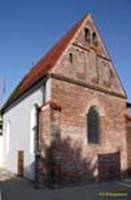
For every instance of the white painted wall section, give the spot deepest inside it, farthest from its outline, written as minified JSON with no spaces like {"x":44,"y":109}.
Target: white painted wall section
{"x":19,"y":135}
{"x":1,"y":150}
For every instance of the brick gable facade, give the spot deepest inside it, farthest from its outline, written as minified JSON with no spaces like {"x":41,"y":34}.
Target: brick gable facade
{"x":86,"y":79}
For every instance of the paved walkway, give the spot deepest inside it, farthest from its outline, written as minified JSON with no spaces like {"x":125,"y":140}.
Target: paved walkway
{"x":14,"y":188}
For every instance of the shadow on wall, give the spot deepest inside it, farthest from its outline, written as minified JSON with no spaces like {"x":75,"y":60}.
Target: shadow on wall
{"x":29,"y":171}
{"x":64,"y":164}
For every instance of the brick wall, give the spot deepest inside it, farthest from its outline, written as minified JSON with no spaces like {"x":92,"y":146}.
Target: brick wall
{"x":78,"y":158}
{"x":88,"y":80}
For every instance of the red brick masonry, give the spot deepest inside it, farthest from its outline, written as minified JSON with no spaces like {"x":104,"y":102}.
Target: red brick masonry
{"x":90,"y":80}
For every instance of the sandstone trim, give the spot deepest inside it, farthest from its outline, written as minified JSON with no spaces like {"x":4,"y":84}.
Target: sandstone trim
{"x":80,"y":83}
{"x":53,"y":105}
{"x":88,"y":49}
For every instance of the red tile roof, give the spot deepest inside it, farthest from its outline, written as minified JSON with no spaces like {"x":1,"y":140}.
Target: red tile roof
{"x":44,"y":65}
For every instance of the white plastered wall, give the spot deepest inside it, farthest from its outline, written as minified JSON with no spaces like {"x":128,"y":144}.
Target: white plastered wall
{"x":19,"y":117}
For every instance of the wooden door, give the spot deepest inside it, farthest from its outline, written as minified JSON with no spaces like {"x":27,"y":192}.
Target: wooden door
{"x":20,"y":161}
{"x":109,"y":166}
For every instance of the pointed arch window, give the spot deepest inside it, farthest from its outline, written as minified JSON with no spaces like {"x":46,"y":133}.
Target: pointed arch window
{"x":94,"y":126}
{"x":87,"y":34}
{"x":94,"y":39}
{"x":71,"y":57}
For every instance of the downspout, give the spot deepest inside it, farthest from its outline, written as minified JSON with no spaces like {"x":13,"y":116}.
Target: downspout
{"x":37,"y":137}
{"x":37,"y":140}
{"x":37,"y":149}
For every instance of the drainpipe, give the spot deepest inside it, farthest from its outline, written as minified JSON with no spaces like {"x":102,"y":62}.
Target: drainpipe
{"x":37,"y":149}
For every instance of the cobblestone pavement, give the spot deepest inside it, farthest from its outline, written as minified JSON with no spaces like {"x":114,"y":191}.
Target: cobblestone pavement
{"x":14,"y":188}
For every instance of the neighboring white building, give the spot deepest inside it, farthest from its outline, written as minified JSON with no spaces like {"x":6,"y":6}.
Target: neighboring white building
{"x":19,"y":130}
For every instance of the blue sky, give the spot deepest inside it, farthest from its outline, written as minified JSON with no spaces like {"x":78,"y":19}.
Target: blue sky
{"x":28,"y":28}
